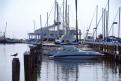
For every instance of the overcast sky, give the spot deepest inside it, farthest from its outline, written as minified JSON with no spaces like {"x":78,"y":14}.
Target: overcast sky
{"x":20,"y":14}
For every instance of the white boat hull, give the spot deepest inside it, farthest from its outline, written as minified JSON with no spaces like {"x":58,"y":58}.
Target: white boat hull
{"x":81,"y":57}
{"x":71,"y":52}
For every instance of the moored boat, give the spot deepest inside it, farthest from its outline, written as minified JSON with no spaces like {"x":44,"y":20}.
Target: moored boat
{"x":72,"y":52}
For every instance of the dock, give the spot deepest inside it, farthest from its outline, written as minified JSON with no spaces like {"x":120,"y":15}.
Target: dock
{"x":108,"y":49}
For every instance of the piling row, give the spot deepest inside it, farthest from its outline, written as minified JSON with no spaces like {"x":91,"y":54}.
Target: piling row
{"x":113,"y":50}
{"x":32,"y":62}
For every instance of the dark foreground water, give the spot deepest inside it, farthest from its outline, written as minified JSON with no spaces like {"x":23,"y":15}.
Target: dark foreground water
{"x":59,"y":70}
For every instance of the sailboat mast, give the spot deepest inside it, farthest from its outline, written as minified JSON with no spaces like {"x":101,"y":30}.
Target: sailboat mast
{"x":63,"y":14}
{"x":119,"y":23}
{"x":41,"y":28}
{"x":55,"y":15}
{"x":66,"y":26}
{"x":76,"y":22}
{"x":5,"y":31}
{"x":34,"y":24}
{"x":40,"y":21}
{"x":107,"y":18}
{"x":58,"y":19}
{"x":47,"y":19}
{"x":68,"y":15}
{"x":96,"y":18}
{"x":103,"y":23}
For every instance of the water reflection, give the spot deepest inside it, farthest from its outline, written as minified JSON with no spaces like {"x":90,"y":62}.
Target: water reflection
{"x":58,"y":70}
{"x":6,"y":50}
{"x":80,"y":70}
{"x":68,"y":70}
{"x":32,"y":64}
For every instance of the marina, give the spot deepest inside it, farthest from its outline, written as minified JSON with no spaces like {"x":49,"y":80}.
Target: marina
{"x":65,"y":48}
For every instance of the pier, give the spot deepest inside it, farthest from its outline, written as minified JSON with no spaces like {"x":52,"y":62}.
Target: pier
{"x":108,"y":49}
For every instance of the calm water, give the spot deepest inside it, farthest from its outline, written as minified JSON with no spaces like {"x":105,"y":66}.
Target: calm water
{"x":59,"y":70}
{"x":6,"y":60}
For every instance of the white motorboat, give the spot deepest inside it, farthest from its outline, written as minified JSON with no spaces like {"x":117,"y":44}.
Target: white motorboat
{"x":69,"y":51}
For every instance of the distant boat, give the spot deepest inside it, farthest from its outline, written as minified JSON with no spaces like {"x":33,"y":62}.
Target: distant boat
{"x":9,"y":40}
{"x":72,"y":52}
{"x":4,"y":39}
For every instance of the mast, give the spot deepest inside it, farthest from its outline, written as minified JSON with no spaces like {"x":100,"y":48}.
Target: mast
{"x":55,"y":16}
{"x":41,"y":28}
{"x":66,"y":30}
{"x":106,"y":23}
{"x":48,"y":29}
{"x":47,"y":19}
{"x":119,"y":24}
{"x":40,"y":21}
{"x":68,"y":15}
{"x":34,"y":24}
{"x":96,"y":19}
{"x":5,"y":31}
{"x":58,"y":19}
{"x":107,"y":18}
{"x":76,"y":22}
{"x":63,"y":14}
{"x":34,"y":28}
{"x":103,"y":23}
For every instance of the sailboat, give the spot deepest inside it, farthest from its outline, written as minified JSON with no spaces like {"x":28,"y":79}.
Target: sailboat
{"x":70,"y":51}
{"x":68,"y":38}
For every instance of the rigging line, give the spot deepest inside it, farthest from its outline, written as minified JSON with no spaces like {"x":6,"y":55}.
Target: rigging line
{"x":49,"y":14}
{"x":61,"y":16}
{"x":98,"y":23}
{"x":93,"y":16}
{"x":113,"y":21}
{"x":100,"y":18}
{"x":90,"y":23}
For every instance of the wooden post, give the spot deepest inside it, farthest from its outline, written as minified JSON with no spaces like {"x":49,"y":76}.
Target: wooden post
{"x":15,"y":69}
{"x":27,"y":64}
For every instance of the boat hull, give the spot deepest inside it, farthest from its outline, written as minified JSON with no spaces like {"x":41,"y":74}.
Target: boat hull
{"x":81,"y":57}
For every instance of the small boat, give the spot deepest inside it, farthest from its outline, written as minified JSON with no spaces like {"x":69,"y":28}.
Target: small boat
{"x":72,"y":52}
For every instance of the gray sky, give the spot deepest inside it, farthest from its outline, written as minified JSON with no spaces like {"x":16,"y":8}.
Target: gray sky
{"x":20,"y":14}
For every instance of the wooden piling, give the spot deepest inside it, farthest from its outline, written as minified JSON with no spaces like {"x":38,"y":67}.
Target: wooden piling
{"x":32,"y":62}
{"x":15,"y":69}
{"x":109,"y":49}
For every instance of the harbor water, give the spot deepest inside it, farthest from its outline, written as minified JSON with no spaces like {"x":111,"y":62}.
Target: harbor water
{"x":58,"y":70}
